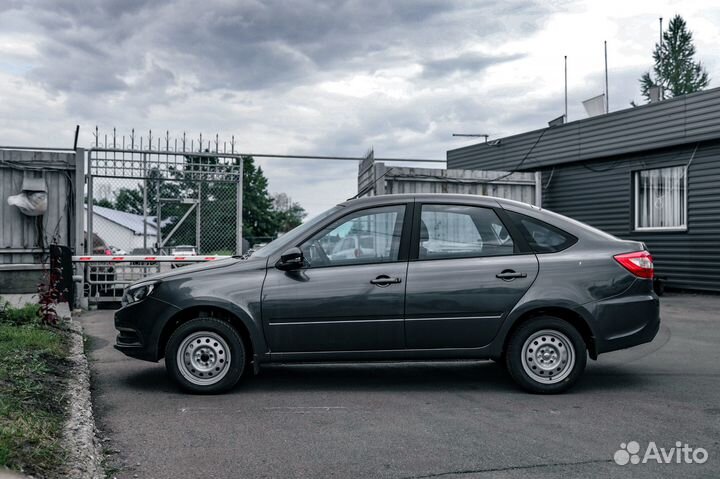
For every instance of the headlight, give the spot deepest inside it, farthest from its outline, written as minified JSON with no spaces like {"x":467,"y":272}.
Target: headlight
{"x":137,"y":293}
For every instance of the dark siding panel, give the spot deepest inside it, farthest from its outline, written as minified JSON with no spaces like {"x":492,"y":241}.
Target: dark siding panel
{"x":669,"y":123}
{"x":600,"y":193}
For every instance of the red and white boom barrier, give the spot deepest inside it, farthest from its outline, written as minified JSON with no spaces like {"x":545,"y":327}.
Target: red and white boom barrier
{"x":146,"y":259}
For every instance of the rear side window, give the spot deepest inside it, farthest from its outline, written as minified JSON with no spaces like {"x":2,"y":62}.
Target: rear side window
{"x":458,"y":231}
{"x":542,"y":237}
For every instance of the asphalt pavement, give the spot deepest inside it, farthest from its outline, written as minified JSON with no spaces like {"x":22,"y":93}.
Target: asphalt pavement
{"x":419,"y":420}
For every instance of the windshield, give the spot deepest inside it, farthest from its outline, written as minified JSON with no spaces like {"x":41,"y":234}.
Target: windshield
{"x":290,"y":237}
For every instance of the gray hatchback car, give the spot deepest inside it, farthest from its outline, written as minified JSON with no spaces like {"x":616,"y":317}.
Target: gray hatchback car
{"x":402,"y":277}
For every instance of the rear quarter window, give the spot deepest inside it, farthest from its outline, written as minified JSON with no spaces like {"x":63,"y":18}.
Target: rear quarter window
{"x":542,"y":237}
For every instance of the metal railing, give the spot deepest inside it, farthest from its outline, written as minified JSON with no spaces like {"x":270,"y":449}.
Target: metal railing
{"x":105,"y":278}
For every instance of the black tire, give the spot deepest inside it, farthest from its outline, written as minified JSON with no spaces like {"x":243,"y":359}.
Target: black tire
{"x":215,"y":332}
{"x":556,"y":339}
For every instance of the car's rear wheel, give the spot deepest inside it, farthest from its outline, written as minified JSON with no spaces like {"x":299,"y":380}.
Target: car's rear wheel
{"x":206,"y":356}
{"x":546,"y":355}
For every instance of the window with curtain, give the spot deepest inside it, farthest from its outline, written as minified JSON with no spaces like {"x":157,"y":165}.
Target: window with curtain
{"x":661,"y":198}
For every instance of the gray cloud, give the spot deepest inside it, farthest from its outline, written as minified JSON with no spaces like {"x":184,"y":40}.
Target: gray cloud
{"x":468,"y":63}
{"x":88,"y":47}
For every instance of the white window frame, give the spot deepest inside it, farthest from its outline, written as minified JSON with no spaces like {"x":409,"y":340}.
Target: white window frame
{"x":636,"y":201}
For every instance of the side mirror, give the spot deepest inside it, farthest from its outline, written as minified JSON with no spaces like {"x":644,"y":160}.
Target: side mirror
{"x":291,"y":259}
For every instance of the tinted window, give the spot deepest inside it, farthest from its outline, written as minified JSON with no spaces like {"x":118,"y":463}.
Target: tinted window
{"x":367,"y":236}
{"x":457,"y":231}
{"x":542,"y":237}
{"x":290,"y":238}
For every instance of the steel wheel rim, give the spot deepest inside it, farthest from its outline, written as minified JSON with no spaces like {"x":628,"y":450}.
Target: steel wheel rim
{"x":203,"y":358}
{"x":548,"y":356}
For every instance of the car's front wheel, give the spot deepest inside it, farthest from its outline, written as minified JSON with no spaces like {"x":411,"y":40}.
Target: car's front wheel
{"x":206,"y":356}
{"x":546,"y":355}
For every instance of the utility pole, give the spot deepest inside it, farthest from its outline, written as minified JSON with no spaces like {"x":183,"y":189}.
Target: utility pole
{"x":607,"y":93}
{"x":566,"y":118}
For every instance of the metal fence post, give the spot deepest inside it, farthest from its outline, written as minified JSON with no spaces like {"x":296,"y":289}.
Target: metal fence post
{"x":538,"y":189}
{"x":145,"y":210}
{"x":198,"y":217}
{"x":238,"y":213}
{"x":79,"y":219}
{"x":90,"y":241}
{"x":79,"y":232}
{"x":158,"y":223}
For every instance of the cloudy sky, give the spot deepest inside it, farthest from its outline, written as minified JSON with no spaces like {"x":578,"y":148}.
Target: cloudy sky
{"x":326,"y":78}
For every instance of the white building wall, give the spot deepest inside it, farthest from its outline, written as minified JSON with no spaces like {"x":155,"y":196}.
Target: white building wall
{"x":119,"y":236}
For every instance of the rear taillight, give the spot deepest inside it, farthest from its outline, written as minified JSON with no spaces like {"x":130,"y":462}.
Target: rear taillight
{"x":639,"y":263}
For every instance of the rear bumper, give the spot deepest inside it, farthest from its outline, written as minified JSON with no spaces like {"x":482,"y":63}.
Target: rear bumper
{"x":625,"y":322}
{"x":642,"y":336}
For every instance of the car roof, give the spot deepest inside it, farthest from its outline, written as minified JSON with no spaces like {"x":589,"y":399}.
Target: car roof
{"x":563,"y":222}
{"x":423,"y":197}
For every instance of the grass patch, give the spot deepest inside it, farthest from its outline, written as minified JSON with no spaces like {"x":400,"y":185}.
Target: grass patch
{"x":28,"y":314}
{"x":32,"y":393}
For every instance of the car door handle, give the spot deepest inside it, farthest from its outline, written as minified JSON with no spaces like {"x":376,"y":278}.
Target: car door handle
{"x":509,"y":274}
{"x":384,"y":280}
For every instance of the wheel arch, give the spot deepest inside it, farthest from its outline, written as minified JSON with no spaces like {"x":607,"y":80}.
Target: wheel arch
{"x":567,"y":314}
{"x":242,"y":325}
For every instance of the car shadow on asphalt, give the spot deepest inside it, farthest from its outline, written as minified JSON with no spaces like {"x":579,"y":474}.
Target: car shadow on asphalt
{"x":477,"y":376}
{"x":601,"y":377}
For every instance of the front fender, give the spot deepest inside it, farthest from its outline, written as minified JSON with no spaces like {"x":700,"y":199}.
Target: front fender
{"x":235,"y":290}
{"x":242,"y":314}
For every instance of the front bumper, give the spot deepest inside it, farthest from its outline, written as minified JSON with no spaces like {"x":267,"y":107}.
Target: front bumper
{"x":139,"y":327}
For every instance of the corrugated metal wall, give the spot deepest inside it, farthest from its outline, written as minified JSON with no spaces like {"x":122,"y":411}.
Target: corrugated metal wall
{"x":681,"y":120}
{"x":379,"y":179}
{"x":600,"y":193}
{"x":19,"y":233}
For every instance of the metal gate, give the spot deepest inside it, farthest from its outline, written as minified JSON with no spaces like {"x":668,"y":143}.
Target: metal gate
{"x":163,"y":198}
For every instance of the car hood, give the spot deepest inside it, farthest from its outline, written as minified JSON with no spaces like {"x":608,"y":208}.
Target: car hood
{"x":250,"y":263}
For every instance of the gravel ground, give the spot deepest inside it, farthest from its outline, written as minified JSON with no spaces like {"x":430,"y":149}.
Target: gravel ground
{"x":413,"y":420}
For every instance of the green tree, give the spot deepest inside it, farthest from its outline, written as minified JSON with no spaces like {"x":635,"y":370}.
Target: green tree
{"x":130,"y":200}
{"x":218,"y":206}
{"x":675,"y":69}
{"x":258,"y":216}
{"x":104,"y":202}
{"x":288,"y":213}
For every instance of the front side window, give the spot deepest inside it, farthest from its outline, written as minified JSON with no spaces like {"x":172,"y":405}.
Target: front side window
{"x":661,"y":198}
{"x":363,"y":237}
{"x":457,"y":231}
